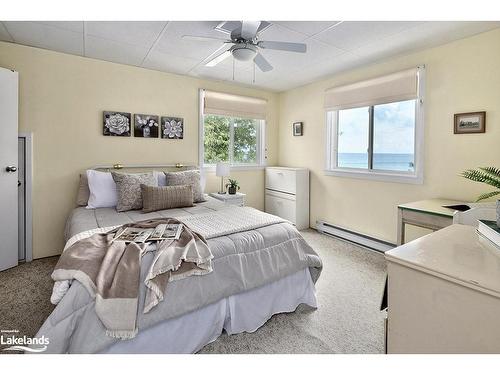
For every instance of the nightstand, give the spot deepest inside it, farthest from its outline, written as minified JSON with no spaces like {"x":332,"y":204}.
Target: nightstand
{"x":237,"y":199}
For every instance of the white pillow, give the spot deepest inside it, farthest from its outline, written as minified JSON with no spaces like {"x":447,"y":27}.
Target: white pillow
{"x":102,"y":189}
{"x":203,"y":179}
{"x":162,"y":179}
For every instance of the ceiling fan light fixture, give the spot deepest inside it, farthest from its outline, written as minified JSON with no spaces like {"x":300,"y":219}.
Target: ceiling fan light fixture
{"x":244,"y":52}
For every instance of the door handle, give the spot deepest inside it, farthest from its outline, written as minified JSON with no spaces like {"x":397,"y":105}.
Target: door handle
{"x":11,"y":169}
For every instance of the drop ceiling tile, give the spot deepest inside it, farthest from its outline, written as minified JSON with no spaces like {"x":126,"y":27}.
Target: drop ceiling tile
{"x":172,"y":42}
{"x":308,"y":28}
{"x":109,"y":50}
{"x":168,"y":63}
{"x":224,"y":74}
{"x":44,"y":36}
{"x":140,"y":33}
{"x":281,"y":34}
{"x":425,"y":35}
{"x":76,"y":26}
{"x":4,"y":35}
{"x":350,"y":35}
{"x":291,"y":61}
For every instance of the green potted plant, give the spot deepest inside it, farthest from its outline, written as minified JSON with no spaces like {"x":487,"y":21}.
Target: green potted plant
{"x":489,"y":176}
{"x":232,"y":186}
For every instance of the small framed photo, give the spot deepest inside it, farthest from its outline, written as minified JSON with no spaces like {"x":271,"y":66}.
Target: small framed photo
{"x":116,"y":124}
{"x":472,"y":122}
{"x":297,"y":129}
{"x":172,"y":127}
{"x":146,"y":126}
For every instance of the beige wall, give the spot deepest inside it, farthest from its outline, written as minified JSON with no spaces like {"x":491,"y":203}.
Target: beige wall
{"x":61,"y":99}
{"x":463,"y":76}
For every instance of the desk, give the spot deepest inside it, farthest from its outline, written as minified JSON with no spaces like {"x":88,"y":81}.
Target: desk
{"x":428,"y":213}
{"x":444,"y":294}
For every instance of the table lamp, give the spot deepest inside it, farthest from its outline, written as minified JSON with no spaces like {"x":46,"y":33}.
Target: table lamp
{"x":222,"y":170}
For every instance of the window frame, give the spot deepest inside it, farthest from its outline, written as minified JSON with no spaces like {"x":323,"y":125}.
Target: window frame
{"x":415,"y":177}
{"x":261,"y":143}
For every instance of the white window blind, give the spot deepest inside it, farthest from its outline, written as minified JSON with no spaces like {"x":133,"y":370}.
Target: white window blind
{"x":218,"y":103}
{"x":389,"y":88}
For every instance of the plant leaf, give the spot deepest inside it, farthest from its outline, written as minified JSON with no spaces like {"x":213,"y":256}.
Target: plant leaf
{"x":482,"y":176}
{"x":487,"y":195}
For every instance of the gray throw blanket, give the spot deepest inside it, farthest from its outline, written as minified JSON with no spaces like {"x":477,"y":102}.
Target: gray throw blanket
{"x":110,"y":271}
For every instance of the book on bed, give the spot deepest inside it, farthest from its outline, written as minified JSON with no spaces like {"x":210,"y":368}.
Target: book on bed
{"x":142,"y":235}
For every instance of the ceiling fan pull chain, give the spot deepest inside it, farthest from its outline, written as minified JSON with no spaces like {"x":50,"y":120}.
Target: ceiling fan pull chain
{"x":254,"y":72}
{"x":233,"y":68}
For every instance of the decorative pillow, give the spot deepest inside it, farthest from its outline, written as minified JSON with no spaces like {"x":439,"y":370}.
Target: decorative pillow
{"x":102,"y":189}
{"x":128,"y":187}
{"x":192,"y":178}
{"x":82,"y":198}
{"x":155,"y":198}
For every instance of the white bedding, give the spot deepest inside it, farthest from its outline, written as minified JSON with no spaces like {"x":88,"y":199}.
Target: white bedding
{"x":244,"y":263}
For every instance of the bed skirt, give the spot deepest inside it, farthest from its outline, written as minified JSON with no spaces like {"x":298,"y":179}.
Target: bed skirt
{"x":243,"y":312}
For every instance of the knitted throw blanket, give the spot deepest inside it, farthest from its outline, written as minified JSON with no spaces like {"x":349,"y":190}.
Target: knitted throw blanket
{"x":110,"y":271}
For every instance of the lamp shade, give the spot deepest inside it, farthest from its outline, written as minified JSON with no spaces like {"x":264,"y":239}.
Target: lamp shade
{"x":222,"y":169}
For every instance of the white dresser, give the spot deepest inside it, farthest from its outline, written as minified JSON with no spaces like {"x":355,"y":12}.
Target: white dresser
{"x":287,"y":194}
{"x":444,"y":294}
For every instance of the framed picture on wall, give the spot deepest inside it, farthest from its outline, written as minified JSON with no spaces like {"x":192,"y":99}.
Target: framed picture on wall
{"x":146,"y":126}
{"x":297,"y":129}
{"x":472,"y":122}
{"x":172,"y":127}
{"x":116,"y":124}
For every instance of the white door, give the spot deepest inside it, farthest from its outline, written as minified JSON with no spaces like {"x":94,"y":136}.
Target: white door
{"x":8,"y":168}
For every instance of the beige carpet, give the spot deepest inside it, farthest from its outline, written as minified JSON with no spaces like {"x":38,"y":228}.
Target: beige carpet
{"x":348,"y":319}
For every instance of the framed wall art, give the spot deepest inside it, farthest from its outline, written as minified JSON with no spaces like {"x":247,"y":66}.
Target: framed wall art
{"x":471,"y":122}
{"x":116,"y":124}
{"x":146,"y":126}
{"x":172,"y":127}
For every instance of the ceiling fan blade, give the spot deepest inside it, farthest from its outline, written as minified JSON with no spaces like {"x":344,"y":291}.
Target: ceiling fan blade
{"x":218,"y":58}
{"x":200,"y":38}
{"x":283,"y":46}
{"x":249,"y":29}
{"x":262,"y":63}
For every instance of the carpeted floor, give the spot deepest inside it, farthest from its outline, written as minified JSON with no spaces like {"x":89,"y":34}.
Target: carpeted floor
{"x":347,"y":320}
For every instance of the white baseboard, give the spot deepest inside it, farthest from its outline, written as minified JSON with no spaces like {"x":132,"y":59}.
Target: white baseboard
{"x":357,"y":238}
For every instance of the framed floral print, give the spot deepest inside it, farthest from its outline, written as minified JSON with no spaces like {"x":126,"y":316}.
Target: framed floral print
{"x":146,"y":126}
{"x":172,"y":127}
{"x":116,"y":124}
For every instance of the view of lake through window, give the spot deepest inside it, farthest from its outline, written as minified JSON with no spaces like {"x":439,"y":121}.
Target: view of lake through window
{"x":393,"y":137}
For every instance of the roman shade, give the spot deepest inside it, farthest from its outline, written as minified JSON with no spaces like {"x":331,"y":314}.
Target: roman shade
{"x":386,"y":89}
{"x":219,"y":103}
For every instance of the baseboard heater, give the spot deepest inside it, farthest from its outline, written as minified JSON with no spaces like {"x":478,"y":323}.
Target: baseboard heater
{"x":357,"y":238}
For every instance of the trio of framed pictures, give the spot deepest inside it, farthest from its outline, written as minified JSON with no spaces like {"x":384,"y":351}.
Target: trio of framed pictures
{"x":119,"y":124}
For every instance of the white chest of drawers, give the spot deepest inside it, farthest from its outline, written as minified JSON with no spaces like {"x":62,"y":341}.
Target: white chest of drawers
{"x":287,"y":194}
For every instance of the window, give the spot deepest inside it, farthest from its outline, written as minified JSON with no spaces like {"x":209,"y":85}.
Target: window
{"x":379,"y":139}
{"x":232,"y":129}
{"x":231,"y":139}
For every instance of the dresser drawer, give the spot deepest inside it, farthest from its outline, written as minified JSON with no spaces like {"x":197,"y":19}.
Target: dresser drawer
{"x":281,"y":180}
{"x":281,"y":205}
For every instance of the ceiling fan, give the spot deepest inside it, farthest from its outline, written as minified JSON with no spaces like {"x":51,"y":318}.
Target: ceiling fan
{"x":245,"y":46}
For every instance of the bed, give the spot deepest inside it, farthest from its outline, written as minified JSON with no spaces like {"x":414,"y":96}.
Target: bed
{"x":257,"y":273}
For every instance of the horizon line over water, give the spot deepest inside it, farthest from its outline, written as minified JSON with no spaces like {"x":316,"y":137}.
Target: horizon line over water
{"x":383,"y":161}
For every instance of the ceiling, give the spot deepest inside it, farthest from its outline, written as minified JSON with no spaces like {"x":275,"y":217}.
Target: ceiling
{"x":332,"y":46}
